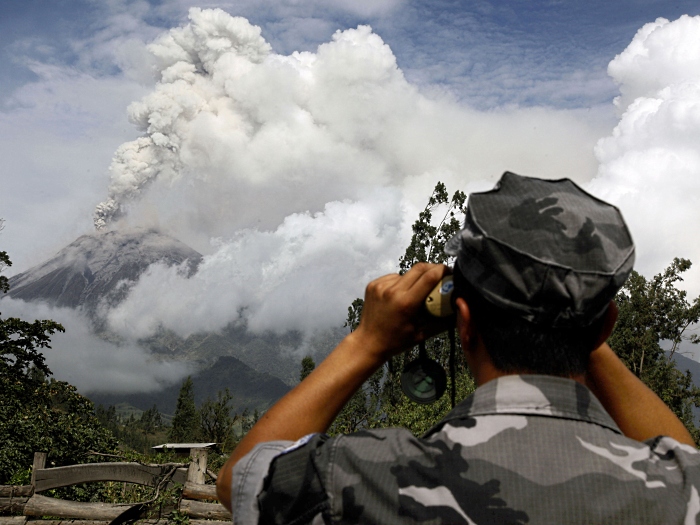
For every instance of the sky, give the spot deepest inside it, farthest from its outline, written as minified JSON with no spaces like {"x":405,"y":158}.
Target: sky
{"x":293,"y":143}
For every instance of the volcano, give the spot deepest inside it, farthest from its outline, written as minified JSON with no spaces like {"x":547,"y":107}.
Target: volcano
{"x":98,"y":270}
{"x":100,"y":267}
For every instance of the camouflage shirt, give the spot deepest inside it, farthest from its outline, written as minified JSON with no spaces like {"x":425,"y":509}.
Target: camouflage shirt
{"x":521,"y":449}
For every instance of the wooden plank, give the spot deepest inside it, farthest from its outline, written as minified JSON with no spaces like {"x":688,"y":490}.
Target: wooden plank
{"x":9,"y":491}
{"x":161,"y":521}
{"x":39,"y":463}
{"x":13,"y":504}
{"x":180,"y":476}
{"x":196,"y":491}
{"x":13,"y":520}
{"x":198,"y":466}
{"x":67,"y":522}
{"x":149,"y":475}
{"x":199,"y":509}
{"x":43,"y":506}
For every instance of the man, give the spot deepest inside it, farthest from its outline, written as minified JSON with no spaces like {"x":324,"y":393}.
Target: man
{"x":558,"y":430}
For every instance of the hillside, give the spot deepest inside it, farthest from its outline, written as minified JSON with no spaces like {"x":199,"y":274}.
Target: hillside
{"x":250,"y":389}
{"x":101,"y":268}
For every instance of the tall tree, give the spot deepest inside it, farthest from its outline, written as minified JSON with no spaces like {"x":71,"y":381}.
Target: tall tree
{"x":216,"y":420}
{"x":185,"y":425}
{"x":655,"y":312}
{"x":4,"y":263}
{"x":151,"y":420}
{"x":307,"y":366}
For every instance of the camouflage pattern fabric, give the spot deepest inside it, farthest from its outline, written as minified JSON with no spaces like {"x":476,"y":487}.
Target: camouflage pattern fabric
{"x":544,"y":250}
{"x":522,"y":449}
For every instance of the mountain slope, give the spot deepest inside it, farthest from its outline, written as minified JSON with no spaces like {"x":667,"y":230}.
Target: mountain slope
{"x":250,"y":389}
{"x":99,"y":267}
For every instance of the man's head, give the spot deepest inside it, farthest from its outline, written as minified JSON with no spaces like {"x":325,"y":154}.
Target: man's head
{"x":538,"y":262}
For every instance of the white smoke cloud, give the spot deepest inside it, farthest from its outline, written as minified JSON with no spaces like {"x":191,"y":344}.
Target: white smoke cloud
{"x":231,"y":123}
{"x":93,"y":364}
{"x":299,"y":277}
{"x":310,"y":168}
{"x":650,"y":165}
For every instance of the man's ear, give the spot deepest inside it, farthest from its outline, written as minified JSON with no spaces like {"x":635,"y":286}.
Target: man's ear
{"x":465,"y":325}
{"x":609,"y":319}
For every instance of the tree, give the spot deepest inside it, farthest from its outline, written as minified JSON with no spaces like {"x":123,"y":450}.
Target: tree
{"x":150,"y":420}
{"x":307,"y":366}
{"x":4,"y":263}
{"x":428,"y":241}
{"x":216,"y":421}
{"x":185,"y":424}
{"x":354,"y":314}
{"x":37,"y":415}
{"x":652,"y":312}
{"x":380,"y":402}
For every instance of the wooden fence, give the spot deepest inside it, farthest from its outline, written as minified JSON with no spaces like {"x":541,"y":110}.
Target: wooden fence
{"x":197,"y":502}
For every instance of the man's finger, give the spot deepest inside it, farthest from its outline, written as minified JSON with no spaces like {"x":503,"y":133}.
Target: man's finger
{"x":425,"y":279}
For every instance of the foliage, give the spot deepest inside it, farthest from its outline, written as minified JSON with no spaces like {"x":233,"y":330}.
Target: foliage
{"x":37,"y":415}
{"x":651,"y":312}
{"x":428,"y":241}
{"x":354,"y":314}
{"x":185,"y":426}
{"x":380,"y":403}
{"x":216,"y":420}
{"x":364,"y":409}
{"x":420,"y":418}
{"x":4,"y":263}
{"x":52,"y":417}
{"x":135,"y":433}
{"x":150,"y":420}
{"x":307,"y":366}
{"x":21,"y":362}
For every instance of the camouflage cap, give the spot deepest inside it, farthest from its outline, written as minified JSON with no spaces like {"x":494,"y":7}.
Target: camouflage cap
{"x":545,"y":250}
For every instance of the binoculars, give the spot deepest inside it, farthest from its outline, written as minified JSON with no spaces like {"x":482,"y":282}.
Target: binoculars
{"x":423,"y":380}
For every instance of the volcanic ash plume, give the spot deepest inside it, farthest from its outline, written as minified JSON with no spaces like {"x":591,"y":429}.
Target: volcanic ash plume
{"x":196,"y":62}
{"x":236,"y":136}
{"x":650,"y":166}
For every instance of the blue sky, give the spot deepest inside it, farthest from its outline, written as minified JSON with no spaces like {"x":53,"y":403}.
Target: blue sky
{"x":486,"y":53}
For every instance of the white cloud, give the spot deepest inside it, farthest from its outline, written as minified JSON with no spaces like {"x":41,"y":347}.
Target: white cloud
{"x":662,"y":53}
{"x":650,"y":165}
{"x":93,"y":364}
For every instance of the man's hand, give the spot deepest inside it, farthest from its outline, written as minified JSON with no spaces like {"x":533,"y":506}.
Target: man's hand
{"x":394,"y":318}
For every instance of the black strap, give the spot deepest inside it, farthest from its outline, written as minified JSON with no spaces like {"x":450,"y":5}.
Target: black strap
{"x":453,"y":388}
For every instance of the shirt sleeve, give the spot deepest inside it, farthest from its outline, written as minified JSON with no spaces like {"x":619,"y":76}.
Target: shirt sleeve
{"x":247,"y":479}
{"x":293,"y":491}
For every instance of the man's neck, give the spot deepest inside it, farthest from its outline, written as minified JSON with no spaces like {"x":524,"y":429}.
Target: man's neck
{"x":484,"y":370}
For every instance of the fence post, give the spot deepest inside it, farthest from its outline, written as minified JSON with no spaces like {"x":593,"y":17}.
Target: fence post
{"x":198,"y":466}
{"x":39,"y":463}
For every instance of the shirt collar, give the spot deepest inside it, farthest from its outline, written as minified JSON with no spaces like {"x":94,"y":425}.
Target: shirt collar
{"x":538,"y":395}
